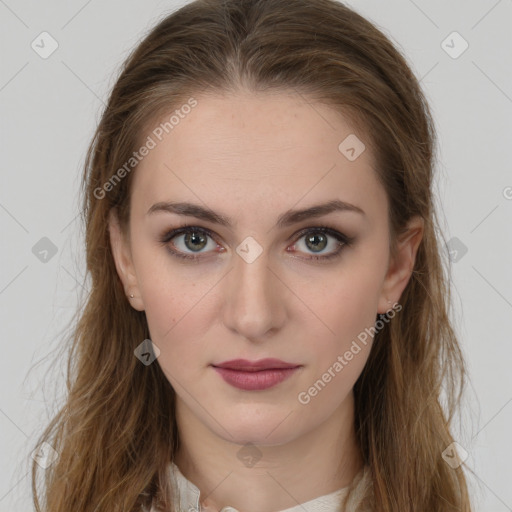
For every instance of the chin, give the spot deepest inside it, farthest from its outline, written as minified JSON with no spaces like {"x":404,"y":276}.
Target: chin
{"x":258,"y":429}
{"x":260,"y":439}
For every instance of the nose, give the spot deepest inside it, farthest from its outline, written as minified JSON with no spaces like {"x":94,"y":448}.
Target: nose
{"x":254,"y":298}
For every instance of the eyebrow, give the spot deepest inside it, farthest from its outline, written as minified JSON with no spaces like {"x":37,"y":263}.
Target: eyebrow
{"x":286,"y":219}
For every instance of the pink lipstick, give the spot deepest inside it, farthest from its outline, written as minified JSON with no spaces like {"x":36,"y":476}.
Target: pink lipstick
{"x":255,"y":375}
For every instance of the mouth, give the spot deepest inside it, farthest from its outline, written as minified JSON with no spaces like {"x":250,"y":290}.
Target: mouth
{"x":255,"y":366}
{"x":255,"y":375}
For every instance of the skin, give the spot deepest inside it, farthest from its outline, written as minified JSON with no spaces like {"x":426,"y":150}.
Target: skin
{"x":251,"y":157}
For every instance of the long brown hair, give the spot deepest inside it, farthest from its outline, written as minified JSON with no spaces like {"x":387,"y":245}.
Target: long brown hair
{"x":116,"y":433}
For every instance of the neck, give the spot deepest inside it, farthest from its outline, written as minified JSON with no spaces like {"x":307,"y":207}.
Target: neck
{"x":273,"y":477}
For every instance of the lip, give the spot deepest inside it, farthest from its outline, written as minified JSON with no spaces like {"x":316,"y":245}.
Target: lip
{"x":255,"y":380}
{"x":255,"y":375}
{"x":260,"y":364}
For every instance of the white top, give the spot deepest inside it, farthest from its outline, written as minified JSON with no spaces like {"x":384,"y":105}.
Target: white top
{"x":188,"y":494}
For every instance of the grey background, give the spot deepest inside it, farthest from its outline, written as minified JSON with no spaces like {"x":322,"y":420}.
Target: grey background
{"x":49,"y":108}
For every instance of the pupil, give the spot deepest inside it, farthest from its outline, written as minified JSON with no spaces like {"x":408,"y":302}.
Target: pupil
{"x":195,"y":238}
{"x":319,"y":242}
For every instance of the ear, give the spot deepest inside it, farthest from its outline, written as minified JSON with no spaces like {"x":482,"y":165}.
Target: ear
{"x":123,"y":261}
{"x":401,"y":266}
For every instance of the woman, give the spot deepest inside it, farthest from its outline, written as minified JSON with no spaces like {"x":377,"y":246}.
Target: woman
{"x":267,"y":328}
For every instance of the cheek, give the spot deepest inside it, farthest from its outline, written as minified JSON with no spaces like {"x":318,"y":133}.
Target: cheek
{"x":349,"y":303}
{"x":348,"y":310}
{"x":339,"y":354}
{"x":177,"y":316}
{"x":177,"y":320}
{"x":172,"y":293}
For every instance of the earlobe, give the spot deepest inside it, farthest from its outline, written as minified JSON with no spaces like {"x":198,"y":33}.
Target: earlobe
{"x":123,"y":261}
{"x":401,"y":267}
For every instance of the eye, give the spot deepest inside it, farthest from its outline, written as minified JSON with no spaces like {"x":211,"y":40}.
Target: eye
{"x":189,"y":238}
{"x":189,"y":241}
{"x":319,"y":238}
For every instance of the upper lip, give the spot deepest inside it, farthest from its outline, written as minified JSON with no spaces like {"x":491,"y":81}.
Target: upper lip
{"x":261,"y":364}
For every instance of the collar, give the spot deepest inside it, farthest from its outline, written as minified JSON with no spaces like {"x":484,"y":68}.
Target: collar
{"x":188,"y":495}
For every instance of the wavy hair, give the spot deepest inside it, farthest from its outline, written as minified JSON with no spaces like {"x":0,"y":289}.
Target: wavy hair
{"x":116,"y":432}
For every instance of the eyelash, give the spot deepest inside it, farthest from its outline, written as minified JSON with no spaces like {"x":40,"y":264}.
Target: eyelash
{"x":342,"y":239}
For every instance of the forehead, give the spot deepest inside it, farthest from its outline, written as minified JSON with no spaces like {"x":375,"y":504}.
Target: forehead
{"x":255,"y":150}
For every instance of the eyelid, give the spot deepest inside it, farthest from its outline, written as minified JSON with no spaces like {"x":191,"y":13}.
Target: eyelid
{"x":184,"y":229}
{"x":342,"y":239}
{"x":322,"y":228}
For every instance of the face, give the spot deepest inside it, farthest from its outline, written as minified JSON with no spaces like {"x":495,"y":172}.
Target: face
{"x":251,"y":277}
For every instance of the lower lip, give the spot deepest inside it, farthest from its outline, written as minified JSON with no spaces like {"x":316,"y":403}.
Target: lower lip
{"x":254,"y":381}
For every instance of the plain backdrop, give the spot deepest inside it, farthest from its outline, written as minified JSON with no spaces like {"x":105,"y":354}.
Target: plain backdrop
{"x":50,"y":107}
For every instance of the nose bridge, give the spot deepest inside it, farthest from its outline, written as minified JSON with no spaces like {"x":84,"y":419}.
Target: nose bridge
{"x":252,"y":304}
